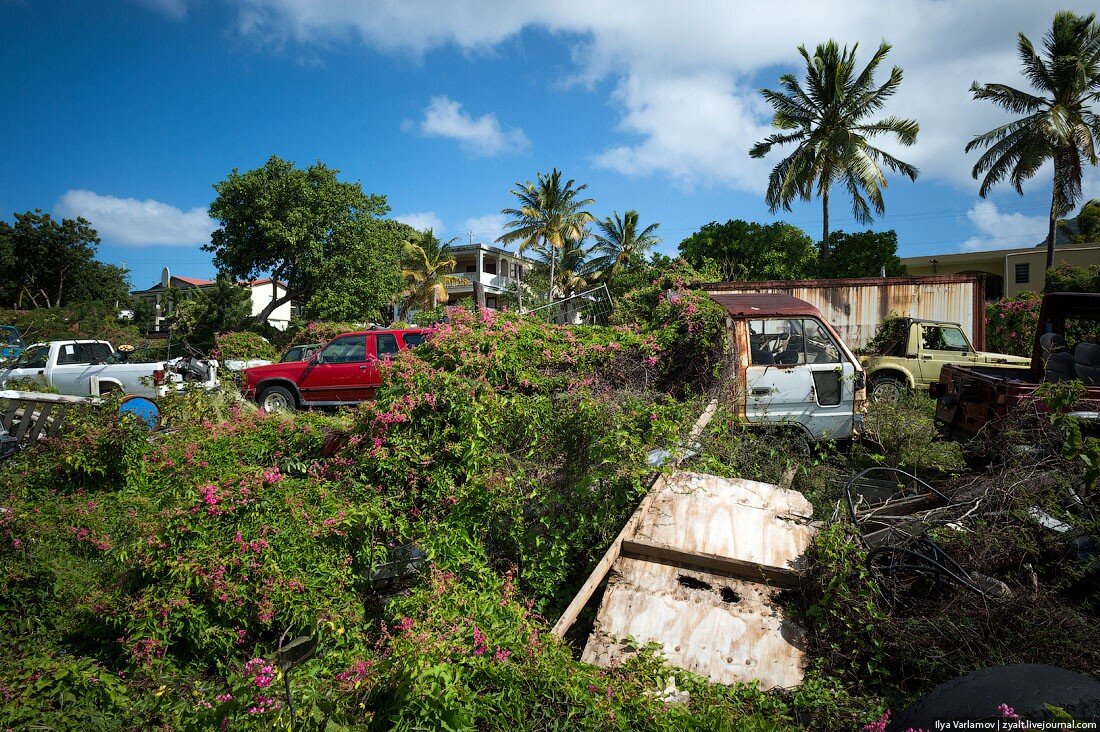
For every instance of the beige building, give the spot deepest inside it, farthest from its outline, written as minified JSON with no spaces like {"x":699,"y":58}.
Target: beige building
{"x":1008,"y":271}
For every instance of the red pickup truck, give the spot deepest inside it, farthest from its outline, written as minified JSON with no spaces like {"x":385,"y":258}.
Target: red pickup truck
{"x":344,"y":372}
{"x":1065,"y":348}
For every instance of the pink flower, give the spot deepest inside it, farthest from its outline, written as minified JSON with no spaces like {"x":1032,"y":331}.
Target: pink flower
{"x":1007,"y":712}
{"x":479,"y":642}
{"x":262,"y":673}
{"x":222,"y":698}
{"x":879,"y":725}
{"x":502,"y":655}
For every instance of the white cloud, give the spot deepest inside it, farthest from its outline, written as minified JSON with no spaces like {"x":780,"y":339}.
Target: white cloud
{"x":422,"y":220}
{"x":693,"y":130}
{"x":998,"y":230}
{"x":483,"y":136}
{"x":685,"y":74}
{"x":130,"y":221}
{"x":175,"y":9}
{"x":486,"y":229}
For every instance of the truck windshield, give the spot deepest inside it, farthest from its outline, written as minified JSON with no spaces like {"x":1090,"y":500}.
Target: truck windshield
{"x":34,"y":357}
{"x":787,"y":341}
{"x":10,"y":336}
{"x":944,"y":338}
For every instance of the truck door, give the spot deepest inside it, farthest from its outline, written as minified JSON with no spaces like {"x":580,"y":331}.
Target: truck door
{"x":799,"y":375}
{"x":338,"y":373}
{"x":383,"y":348}
{"x":31,"y":365}
{"x":941,"y":344}
{"x":76,"y":364}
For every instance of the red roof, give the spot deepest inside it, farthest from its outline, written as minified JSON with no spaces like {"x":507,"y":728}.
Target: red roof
{"x":193,"y":281}
{"x":764,"y":305}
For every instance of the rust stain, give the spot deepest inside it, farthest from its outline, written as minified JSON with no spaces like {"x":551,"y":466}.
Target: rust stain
{"x":855,"y":306}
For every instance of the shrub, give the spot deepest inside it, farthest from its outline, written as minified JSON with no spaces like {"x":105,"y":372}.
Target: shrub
{"x":1010,"y":324}
{"x":244,"y":346}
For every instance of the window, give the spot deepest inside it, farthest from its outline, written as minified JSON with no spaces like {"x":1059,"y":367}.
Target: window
{"x":92,"y":352}
{"x":34,"y":357}
{"x":944,"y":338}
{"x":472,"y":267}
{"x":517,"y":271}
{"x":490,"y":266}
{"x":412,"y":340}
{"x":385,"y":345}
{"x":66,"y":355}
{"x":350,"y":349}
{"x":787,"y":341}
{"x":1023,"y":273}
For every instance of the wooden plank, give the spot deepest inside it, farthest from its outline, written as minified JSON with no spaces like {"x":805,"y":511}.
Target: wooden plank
{"x":26,"y":416}
{"x":57,"y":420}
{"x":665,"y":554}
{"x":38,"y":396}
{"x":40,"y":422}
{"x":604,"y":565}
{"x":729,"y":630}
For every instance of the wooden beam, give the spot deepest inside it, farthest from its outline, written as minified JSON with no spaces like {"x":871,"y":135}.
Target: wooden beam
{"x":665,"y":554}
{"x":565,"y":622}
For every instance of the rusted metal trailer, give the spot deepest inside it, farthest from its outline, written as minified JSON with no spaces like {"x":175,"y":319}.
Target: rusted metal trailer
{"x":856,"y":305}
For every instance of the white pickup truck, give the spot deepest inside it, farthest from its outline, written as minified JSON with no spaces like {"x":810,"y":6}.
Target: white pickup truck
{"x":83,"y":367}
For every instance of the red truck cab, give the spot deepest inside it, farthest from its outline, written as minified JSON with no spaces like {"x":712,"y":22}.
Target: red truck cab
{"x":344,"y":372}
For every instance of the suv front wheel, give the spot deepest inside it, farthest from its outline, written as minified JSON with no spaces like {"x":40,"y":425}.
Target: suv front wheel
{"x":277,"y":399}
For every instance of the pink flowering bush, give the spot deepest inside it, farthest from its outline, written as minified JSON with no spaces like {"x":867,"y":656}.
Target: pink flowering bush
{"x":1010,"y":324}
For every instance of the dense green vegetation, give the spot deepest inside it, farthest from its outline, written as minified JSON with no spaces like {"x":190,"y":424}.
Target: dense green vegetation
{"x":146,"y":581}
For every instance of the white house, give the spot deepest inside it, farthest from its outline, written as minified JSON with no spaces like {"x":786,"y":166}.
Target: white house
{"x":262,"y":292}
{"x":495,"y":268}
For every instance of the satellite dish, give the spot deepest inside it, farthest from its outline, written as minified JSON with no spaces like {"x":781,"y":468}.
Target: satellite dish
{"x":165,"y":277}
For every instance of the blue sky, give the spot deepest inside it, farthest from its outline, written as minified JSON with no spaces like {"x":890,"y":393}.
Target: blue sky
{"x":128,"y":111}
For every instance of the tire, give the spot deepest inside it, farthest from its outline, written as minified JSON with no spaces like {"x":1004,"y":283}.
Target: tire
{"x":888,"y":389}
{"x":277,"y":399}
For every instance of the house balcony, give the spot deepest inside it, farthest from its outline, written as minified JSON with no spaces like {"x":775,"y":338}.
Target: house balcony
{"x":493,"y":283}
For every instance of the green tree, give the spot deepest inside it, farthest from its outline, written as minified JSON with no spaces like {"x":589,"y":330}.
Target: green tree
{"x":827,"y":121}
{"x":548,"y":216}
{"x":619,"y":243}
{"x":1058,"y":124}
{"x":100,"y":282}
{"x":363,"y":276}
{"x":746,"y":250}
{"x":291,"y":224}
{"x":428,"y":269}
{"x":1085,"y":227}
{"x":862,"y":254}
{"x":207,"y":311}
{"x":43,"y":256}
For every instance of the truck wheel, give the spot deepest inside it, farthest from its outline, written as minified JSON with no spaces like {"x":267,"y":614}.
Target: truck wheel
{"x":888,"y":390}
{"x":276,"y":399}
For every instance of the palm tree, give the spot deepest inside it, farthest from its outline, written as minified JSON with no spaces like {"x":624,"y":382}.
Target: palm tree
{"x":1059,"y":125}
{"x":548,"y":216}
{"x":428,"y":266}
{"x":828,"y":119}
{"x":618,"y":241}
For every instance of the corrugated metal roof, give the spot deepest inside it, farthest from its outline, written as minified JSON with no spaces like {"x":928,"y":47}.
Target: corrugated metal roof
{"x":764,"y":304}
